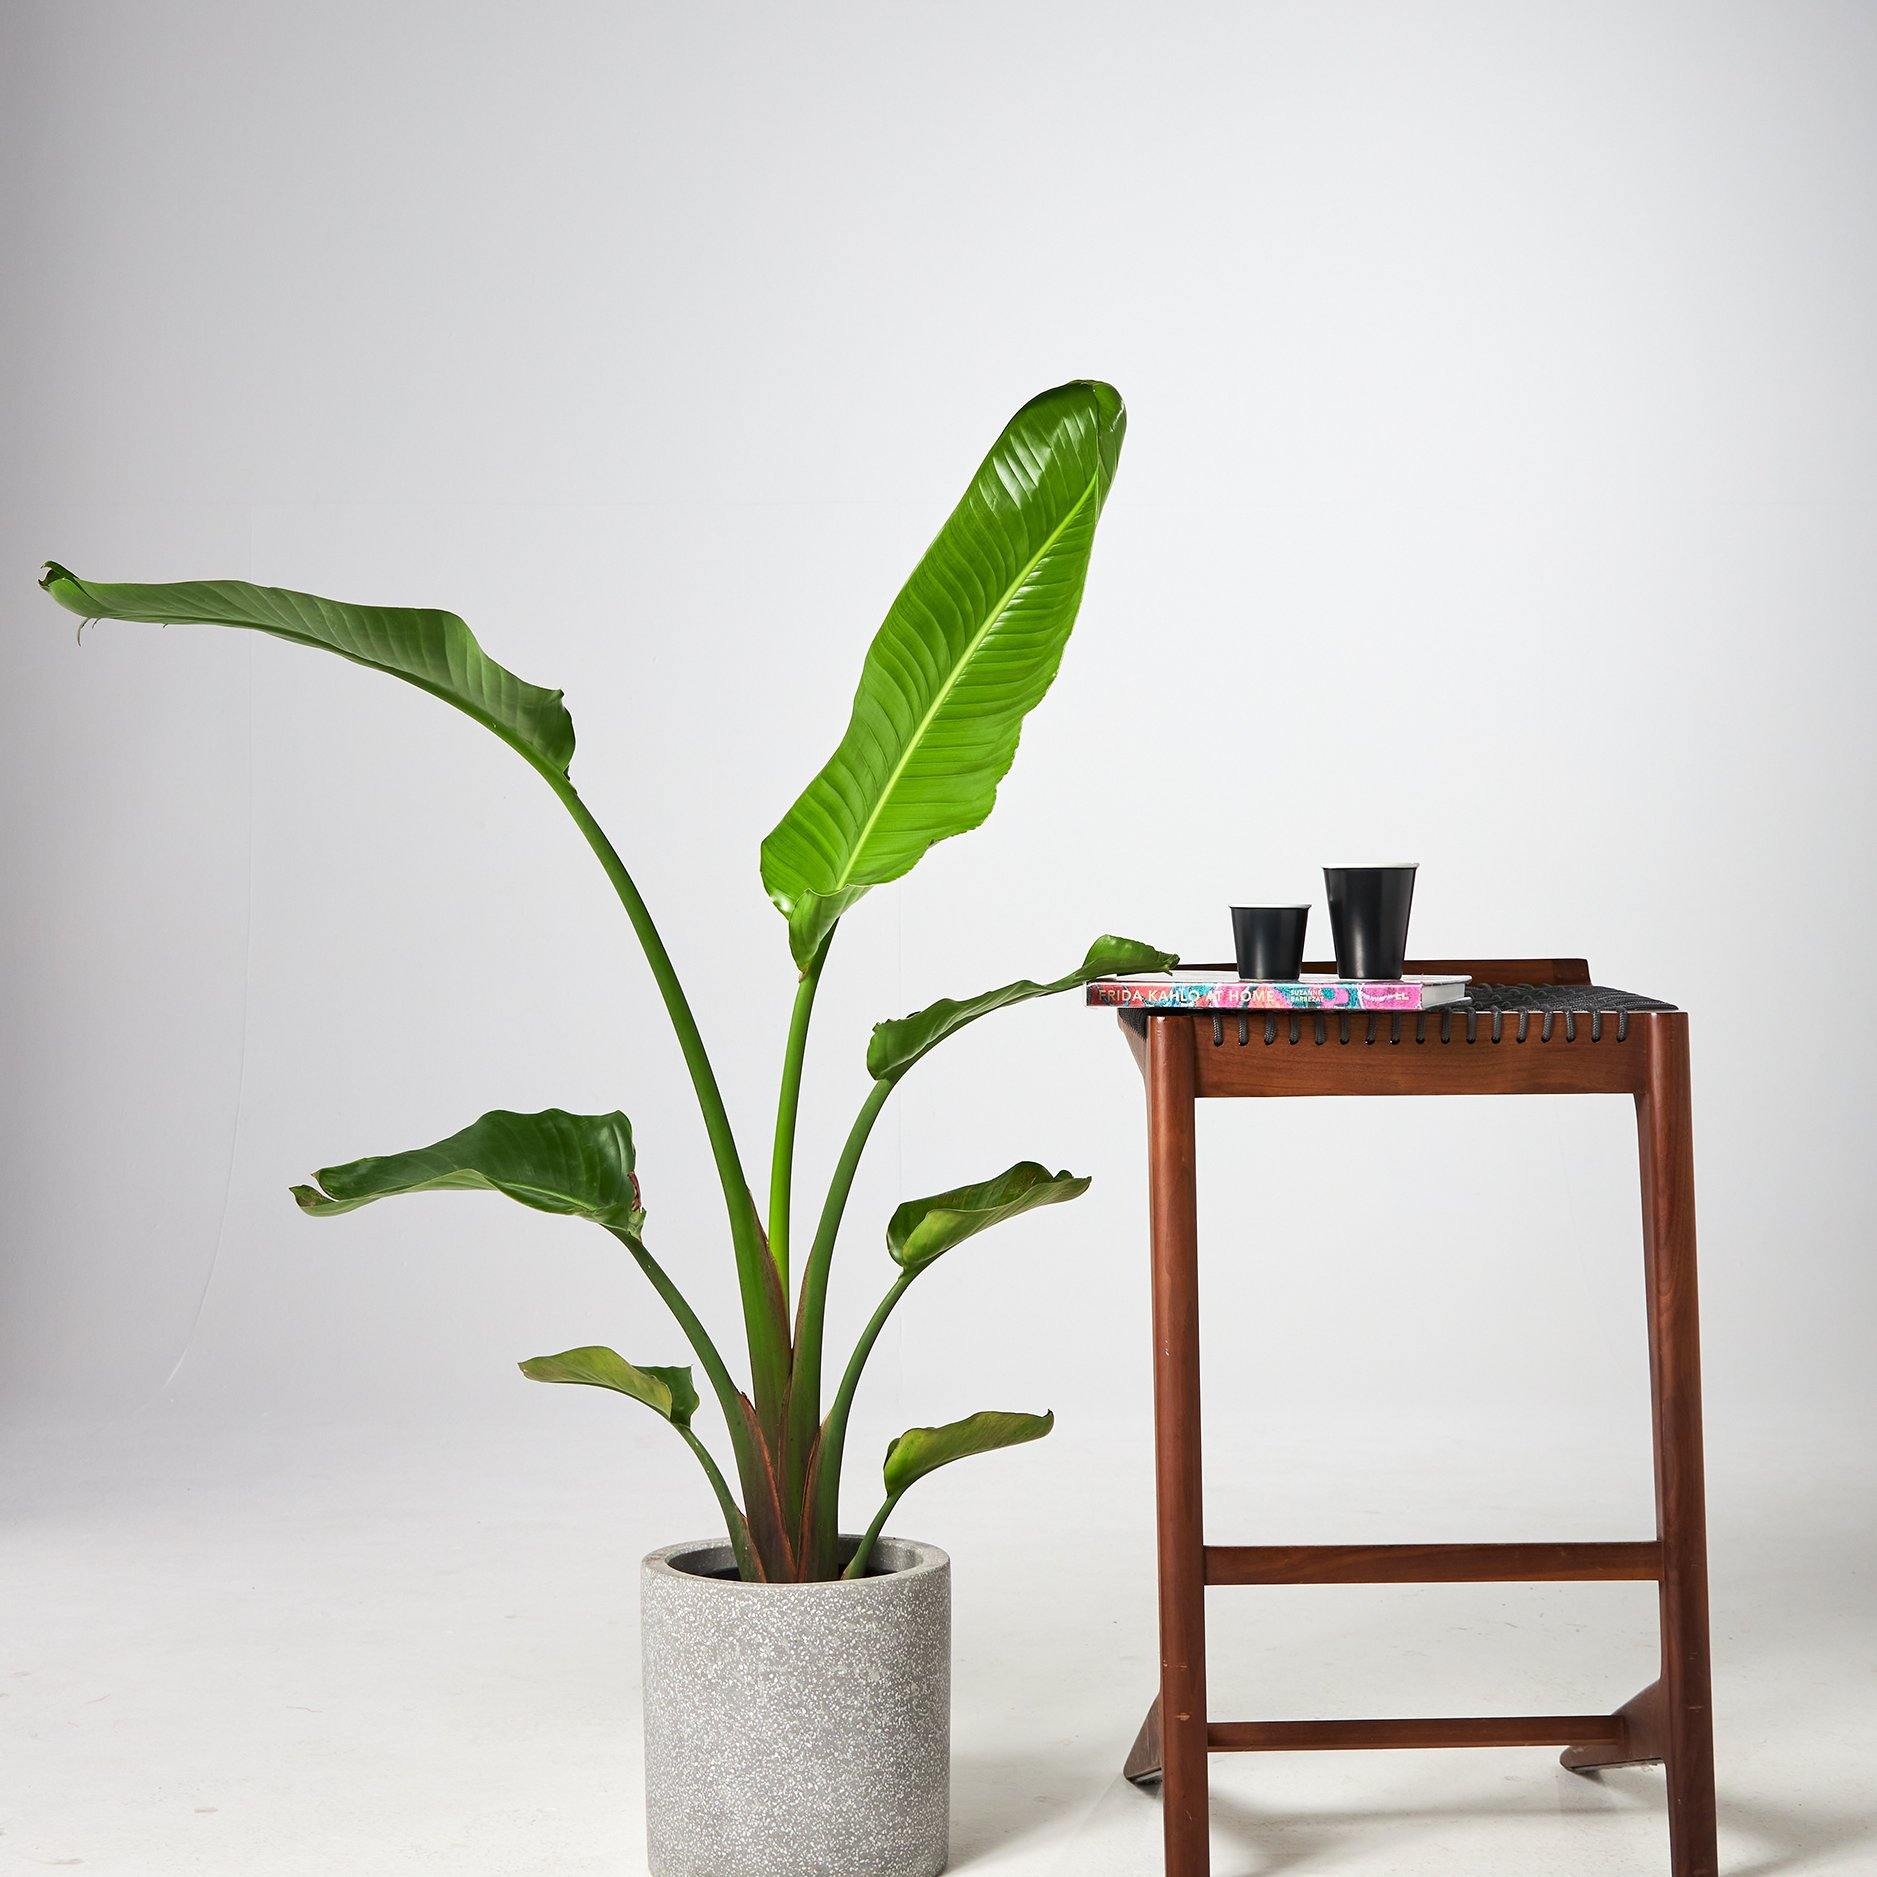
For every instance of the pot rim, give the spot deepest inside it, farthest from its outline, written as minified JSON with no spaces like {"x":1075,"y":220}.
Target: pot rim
{"x":921,"y":1560}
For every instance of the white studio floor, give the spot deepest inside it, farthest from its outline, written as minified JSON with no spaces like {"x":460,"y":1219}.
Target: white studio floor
{"x":255,"y":1649}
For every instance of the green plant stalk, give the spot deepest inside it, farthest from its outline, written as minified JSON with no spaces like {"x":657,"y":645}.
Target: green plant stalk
{"x":826,"y":1513}
{"x":765,"y":1314}
{"x":804,"y":1412}
{"x":788,"y":1105}
{"x":857,"y":1564}
{"x":710,"y":1360}
{"x":747,"y":1564}
{"x":723,"y":1386}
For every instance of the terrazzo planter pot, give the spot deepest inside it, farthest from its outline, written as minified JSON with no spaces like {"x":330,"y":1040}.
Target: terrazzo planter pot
{"x":797,"y":1730}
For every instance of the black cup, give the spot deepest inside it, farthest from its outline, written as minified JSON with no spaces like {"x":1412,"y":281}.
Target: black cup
{"x":1369,"y":919}
{"x":1269,"y":940}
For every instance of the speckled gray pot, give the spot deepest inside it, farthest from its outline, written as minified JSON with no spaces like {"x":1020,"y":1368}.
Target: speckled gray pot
{"x":797,"y":1730}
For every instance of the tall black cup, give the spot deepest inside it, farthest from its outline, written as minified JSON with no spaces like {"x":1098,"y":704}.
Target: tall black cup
{"x":1369,"y":919}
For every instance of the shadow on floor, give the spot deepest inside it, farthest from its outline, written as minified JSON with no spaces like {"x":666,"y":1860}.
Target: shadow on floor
{"x":999,"y":1800}
{"x":1786,"y":1843}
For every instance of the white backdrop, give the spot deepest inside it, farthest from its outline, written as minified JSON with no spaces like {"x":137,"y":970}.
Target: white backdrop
{"x":1497,"y":493}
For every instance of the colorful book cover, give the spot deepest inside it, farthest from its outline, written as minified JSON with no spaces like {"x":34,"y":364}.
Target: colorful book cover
{"x":1162,"y":990}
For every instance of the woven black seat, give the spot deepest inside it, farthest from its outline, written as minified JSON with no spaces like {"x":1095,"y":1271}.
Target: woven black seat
{"x":1579,"y":997}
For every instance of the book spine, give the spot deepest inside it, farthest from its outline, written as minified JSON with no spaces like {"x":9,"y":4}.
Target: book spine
{"x":1228,"y":996}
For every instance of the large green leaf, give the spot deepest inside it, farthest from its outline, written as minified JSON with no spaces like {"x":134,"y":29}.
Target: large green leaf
{"x":896,"y":1045}
{"x":967,"y":651}
{"x":923,"y":1450}
{"x":433,"y":650}
{"x":924,"y":1229}
{"x":576,"y":1164}
{"x":669,"y":1392}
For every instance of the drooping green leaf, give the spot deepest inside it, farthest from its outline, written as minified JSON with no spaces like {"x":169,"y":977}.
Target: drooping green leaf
{"x":966,"y":652}
{"x":433,"y":650}
{"x":576,"y":1164}
{"x":923,"y":1450}
{"x":924,"y":1229}
{"x":436,"y":652}
{"x":669,"y":1392}
{"x":896,"y":1045}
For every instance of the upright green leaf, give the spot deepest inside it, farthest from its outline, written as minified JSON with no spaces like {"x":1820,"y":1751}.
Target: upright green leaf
{"x":576,"y":1164}
{"x":669,"y":1392}
{"x":923,"y":1450}
{"x":433,"y":650}
{"x":896,"y":1045}
{"x":966,"y":652}
{"x":924,"y":1229}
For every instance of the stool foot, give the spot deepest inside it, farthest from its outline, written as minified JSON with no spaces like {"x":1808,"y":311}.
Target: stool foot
{"x":1143,"y":1766}
{"x":1644,"y":1740}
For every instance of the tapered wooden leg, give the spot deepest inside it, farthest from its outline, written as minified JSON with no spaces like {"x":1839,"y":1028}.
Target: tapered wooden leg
{"x":1144,"y":1757}
{"x":1668,"y":1201}
{"x":1173,"y":1209}
{"x":1642,"y":1740}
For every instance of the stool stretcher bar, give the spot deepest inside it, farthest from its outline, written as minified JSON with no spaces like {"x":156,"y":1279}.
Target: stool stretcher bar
{"x":1632,"y":1736}
{"x":1555,"y":1730}
{"x":1435,"y":1564}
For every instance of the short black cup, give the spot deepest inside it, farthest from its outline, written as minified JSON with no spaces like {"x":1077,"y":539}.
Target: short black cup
{"x":1369,"y":909}
{"x":1268,"y":940}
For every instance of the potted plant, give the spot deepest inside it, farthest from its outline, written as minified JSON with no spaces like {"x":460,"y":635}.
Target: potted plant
{"x":796,"y":1676}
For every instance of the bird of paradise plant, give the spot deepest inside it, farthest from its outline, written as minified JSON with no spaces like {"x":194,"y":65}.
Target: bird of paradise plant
{"x":967,"y":650}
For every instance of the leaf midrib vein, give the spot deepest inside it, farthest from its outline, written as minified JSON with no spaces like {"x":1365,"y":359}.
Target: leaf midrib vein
{"x":845,"y":877}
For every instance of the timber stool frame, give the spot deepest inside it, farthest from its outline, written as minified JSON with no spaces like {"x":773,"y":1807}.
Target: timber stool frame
{"x":1534,"y":1027}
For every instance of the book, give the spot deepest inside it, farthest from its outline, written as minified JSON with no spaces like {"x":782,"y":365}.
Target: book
{"x":1211,"y":990}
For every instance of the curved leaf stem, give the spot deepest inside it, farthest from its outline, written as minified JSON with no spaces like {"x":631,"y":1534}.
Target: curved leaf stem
{"x":788,"y":1104}
{"x":857,"y":1564}
{"x":827,"y":1509}
{"x":748,"y":1567}
{"x":752,"y":1466}
{"x":804,"y":1413}
{"x":722,"y":1383}
{"x":765,"y":1312}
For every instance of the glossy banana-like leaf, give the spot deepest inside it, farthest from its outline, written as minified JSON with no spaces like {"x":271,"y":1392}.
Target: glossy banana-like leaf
{"x":896,"y":1045}
{"x":579,"y":1165}
{"x":669,"y":1392}
{"x":925,"y":1229}
{"x":967,"y":651}
{"x":433,"y":650}
{"x":923,"y":1450}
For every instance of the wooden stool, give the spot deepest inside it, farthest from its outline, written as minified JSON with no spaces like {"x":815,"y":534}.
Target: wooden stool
{"x":1535,"y":1027}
